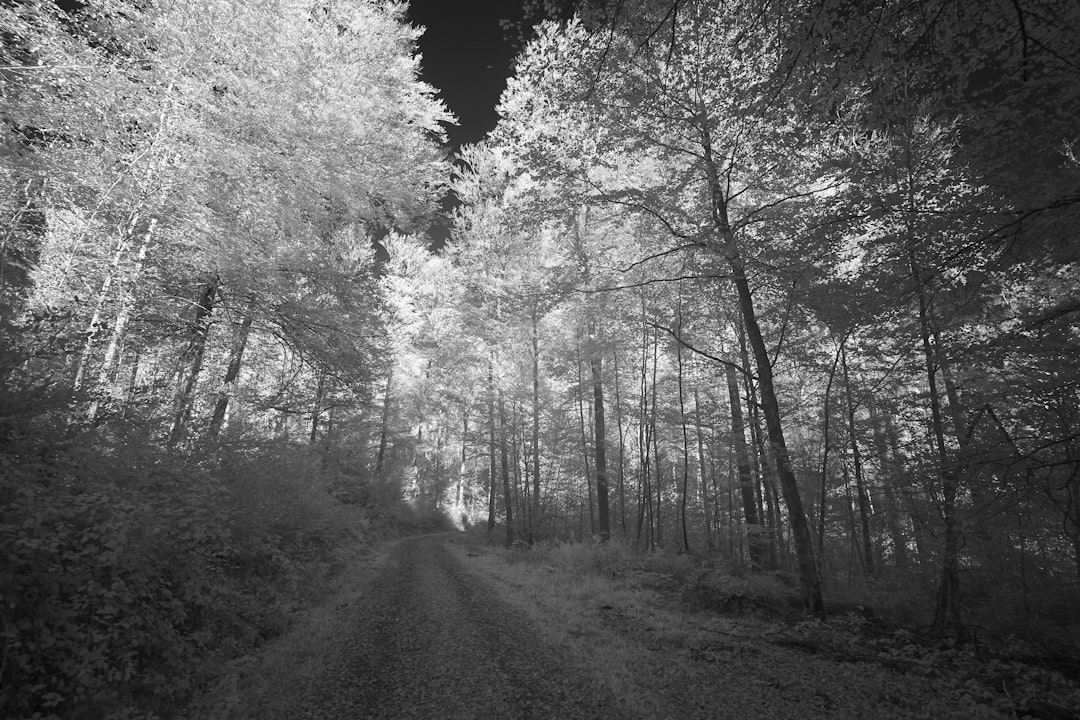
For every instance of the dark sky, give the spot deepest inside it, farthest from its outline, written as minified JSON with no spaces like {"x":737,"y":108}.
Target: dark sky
{"x":467,"y":57}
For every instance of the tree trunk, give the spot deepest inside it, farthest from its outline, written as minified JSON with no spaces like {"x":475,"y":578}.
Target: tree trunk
{"x":596,"y":363}
{"x":703,"y":482}
{"x":742,"y":461}
{"x":505,"y":460}
{"x":384,"y":422}
{"x":856,"y":461}
{"x":622,"y":441}
{"x":196,"y":350}
{"x":804,"y":550}
{"x":111,"y":273}
{"x":659,"y":514}
{"x":120,"y":325}
{"x":887,"y":479}
{"x":129,"y":390}
{"x":644,"y":438}
{"x":534,"y":515}
{"x":947,"y":611}
{"x":316,"y":409}
{"x":584,"y":439}
{"x":823,"y":502}
{"x":232,"y":371}
{"x":854,"y":556}
{"x":685,"y":438}
{"x":493,"y":467}
{"x":769,"y":522}
{"x":515,"y":463}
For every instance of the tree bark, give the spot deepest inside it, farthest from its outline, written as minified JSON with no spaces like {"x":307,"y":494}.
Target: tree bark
{"x":947,"y":611}
{"x":772,"y":535}
{"x":596,"y":363}
{"x":123,"y":319}
{"x":804,"y":550}
{"x":493,"y":467}
{"x":659,"y":514}
{"x":887,"y":479}
{"x":644,"y":438}
{"x":232,"y":371}
{"x":823,"y":501}
{"x":856,"y":461}
{"x":685,"y":438}
{"x":584,"y":440}
{"x":196,"y":350}
{"x":384,"y":422}
{"x":111,"y":274}
{"x":316,"y":409}
{"x":703,"y":481}
{"x":504,"y":459}
{"x":622,"y":441}
{"x":742,"y":463}
{"x":534,"y":515}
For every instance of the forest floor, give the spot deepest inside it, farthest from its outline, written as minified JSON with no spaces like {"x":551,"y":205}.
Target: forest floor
{"x":448,"y":626}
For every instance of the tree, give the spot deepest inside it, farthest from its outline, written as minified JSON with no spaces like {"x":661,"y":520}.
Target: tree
{"x":672,"y":108}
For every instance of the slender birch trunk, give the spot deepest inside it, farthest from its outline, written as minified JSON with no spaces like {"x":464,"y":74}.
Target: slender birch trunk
{"x":111,"y":274}
{"x":123,"y":319}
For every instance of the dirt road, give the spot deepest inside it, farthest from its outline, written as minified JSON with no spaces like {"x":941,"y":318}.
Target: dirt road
{"x":430,"y":641}
{"x":449,"y":633}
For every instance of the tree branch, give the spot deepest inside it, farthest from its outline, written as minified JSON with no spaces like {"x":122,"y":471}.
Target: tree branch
{"x":702,"y":353}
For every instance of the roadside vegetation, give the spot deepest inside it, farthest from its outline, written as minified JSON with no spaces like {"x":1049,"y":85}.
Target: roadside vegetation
{"x":193,"y":331}
{"x":683,"y":621}
{"x":132,"y":578}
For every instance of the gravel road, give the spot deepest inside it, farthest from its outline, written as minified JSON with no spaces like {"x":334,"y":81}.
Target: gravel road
{"x":430,"y":640}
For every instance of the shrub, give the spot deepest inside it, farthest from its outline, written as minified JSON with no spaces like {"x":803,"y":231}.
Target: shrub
{"x":127,"y":572}
{"x":98,"y":589}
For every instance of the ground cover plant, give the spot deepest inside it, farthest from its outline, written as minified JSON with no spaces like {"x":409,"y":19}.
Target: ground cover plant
{"x":130,"y":577}
{"x":607,"y":597}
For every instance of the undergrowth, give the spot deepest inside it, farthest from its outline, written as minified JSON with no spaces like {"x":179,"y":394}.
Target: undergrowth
{"x":130,"y":574}
{"x":669,"y":595}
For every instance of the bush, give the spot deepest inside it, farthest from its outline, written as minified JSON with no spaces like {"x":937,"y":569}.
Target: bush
{"x":99,"y":586}
{"x":128,"y":573}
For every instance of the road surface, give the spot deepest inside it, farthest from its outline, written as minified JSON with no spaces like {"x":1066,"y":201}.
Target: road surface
{"x":429,"y":640}
{"x":434,"y":636}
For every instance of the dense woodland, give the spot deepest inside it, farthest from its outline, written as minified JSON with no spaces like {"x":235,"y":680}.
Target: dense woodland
{"x":790,"y":285}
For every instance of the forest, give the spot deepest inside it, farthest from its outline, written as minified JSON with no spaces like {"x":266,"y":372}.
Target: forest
{"x":786,"y":286}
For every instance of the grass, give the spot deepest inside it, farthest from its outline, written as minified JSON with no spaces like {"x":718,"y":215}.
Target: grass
{"x":264,"y":685}
{"x":661,"y":629}
{"x":636,"y":624}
